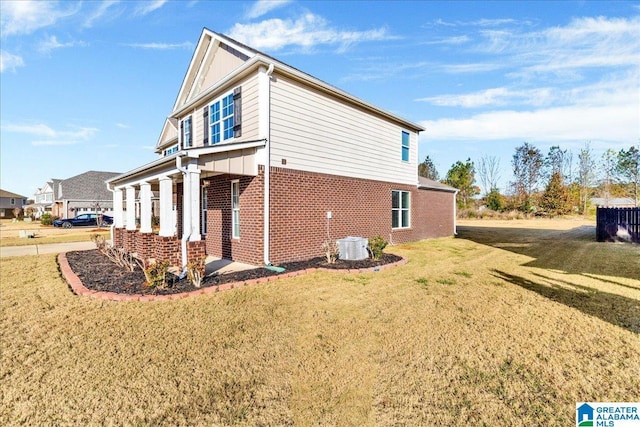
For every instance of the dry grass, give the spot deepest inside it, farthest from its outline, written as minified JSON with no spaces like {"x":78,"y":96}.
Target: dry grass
{"x":466,"y":333}
{"x":10,"y":233}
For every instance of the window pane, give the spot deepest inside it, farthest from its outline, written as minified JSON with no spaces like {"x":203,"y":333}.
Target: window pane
{"x":394,"y":219}
{"x":395,"y":199}
{"x":215,"y":133}
{"x":227,"y":106}
{"x":405,"y":218}
{"x":228,"y":128}
{"x":405,"y":200}
{"x":405,"y":154}
{"x":214,"y":113}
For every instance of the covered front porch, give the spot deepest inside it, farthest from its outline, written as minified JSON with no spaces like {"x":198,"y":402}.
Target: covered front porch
{"x":160,"y":209}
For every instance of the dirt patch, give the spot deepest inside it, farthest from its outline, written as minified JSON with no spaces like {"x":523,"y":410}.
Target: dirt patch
{"x":99,"y":274}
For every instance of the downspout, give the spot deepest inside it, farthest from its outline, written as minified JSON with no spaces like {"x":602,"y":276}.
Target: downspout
{"x":186,"y":212}
{"x":113,"y":224}
{"x":455,"y":213}
{"x":267,"y":170}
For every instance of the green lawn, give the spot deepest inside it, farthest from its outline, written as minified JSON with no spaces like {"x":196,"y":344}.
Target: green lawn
{"x":506,"y":325}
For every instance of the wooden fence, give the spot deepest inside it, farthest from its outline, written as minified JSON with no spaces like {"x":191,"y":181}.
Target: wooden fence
{"x":618,"y":224}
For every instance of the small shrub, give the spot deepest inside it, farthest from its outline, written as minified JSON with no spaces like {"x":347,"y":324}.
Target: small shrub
{"x":195,"y":271}
{"x":330,"y":249}
{"x":46,"y":219}
{"x":156,"y":274}
{"x":377,"y":245}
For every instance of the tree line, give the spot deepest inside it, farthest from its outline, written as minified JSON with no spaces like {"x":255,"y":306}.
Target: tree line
{"x":553,"y":184}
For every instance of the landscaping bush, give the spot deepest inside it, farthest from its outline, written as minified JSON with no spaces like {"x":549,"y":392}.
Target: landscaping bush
{"x":330,"y":250}
{"x":377,"y":245}
{"x":46,"y":219}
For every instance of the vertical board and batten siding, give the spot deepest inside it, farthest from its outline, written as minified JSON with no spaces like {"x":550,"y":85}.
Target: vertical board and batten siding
{"x":249,"y":112}
{"x":618,"y":224}
{"x":316,"y":133}
{"x":219,"y":66}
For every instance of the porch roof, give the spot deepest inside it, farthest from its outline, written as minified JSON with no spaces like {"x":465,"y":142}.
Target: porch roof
{"x":167,"y":165}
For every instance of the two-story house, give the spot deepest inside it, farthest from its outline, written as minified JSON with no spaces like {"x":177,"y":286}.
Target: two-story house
{"x":10,"y":203}
{"x":265,"y":162}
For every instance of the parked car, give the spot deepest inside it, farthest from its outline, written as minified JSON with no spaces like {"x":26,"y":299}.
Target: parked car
{"x":88,"y":219}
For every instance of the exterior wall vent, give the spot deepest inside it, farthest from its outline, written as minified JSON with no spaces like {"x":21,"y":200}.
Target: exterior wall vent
{"x":353,"y":248}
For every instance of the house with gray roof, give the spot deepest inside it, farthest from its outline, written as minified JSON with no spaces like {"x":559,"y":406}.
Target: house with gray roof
{"x":10,"y":201}
{"x":66,"y":198}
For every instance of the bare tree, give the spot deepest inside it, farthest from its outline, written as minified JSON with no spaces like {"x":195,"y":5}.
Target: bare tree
{"x":608,"y":165}
{"x":586,"y":175}
{"x":489,"y":173}
{"x":527,"y":169}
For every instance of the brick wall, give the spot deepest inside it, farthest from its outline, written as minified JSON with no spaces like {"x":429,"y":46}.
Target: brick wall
{"x":299,"y":203}
{"x":248,"y":248}
{"x":359,"y":207}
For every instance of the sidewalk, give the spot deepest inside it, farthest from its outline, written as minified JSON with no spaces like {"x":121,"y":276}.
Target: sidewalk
{"x":51,"y":248}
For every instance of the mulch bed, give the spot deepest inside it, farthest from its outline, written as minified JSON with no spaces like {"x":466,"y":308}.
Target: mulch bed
{"x":98,"y":273}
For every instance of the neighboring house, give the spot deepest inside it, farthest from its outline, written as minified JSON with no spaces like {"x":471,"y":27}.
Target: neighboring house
{"x":613,"y":202}
{"x":44,"y":197}
{"x":264,"y":162}
{"x":66,"y":198}
{"x":10,"y":201}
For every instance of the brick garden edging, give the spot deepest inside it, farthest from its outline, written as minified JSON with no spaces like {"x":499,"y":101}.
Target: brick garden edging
{"x":79,"y":289}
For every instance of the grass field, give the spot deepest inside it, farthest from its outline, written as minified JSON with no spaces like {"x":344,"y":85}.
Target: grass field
{"x":10,"y":233}
{"x":509,"y":324}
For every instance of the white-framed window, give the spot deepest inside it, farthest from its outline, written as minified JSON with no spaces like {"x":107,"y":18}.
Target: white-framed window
{"x":400,"y":209}
{"x":405,"y":146}
{"x":221,"y":119}
{"x":187,"y":134}
{"x":235,"y":209}
{"x":204,"y":200}
{"x":171,"y":150}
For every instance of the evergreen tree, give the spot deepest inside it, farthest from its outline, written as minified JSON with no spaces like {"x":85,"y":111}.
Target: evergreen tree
{"x":427,"y":169}
{"x":462,"y":176}
{"x":556,"y":199}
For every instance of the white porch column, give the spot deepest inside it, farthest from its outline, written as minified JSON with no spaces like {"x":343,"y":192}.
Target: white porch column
{"x":145,"y":208}
{"x":167,"y":223}
{"x":118,"y":220}
{"x":194,"y":176}
{"x":131,"y":207}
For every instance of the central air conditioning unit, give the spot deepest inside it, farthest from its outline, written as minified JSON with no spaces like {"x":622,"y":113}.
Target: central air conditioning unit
{"x":353,"y":248}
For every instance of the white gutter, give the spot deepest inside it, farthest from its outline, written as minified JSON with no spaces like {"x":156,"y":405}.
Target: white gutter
{"x":186,"y":210}
{"x":267,"y":170}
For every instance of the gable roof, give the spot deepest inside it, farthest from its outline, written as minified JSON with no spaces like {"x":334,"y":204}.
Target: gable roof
{"x":430,"y":184}
{"x":86,"y":186}
{"x":9,"y":194}
{"x":251,"y":59}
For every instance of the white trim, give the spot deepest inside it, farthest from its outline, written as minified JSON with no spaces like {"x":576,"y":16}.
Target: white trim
{"x":400,"y":209}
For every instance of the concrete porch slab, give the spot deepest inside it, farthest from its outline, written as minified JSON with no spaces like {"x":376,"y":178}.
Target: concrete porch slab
{"x":222,"y":266}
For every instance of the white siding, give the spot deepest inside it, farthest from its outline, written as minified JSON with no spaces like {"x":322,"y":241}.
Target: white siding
{"x":316,"y":133}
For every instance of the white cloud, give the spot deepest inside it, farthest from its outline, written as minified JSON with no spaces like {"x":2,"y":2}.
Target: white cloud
{"x":307,"y":31}
{"x":53,"y":137}
{"x":162,"y":46}
{"x":262,"y":7}
{"x":51,"y":43}
{"x":122,"y":126}
{"x":9,"y":61}
{"x":149,"y":6}
{"x":493,"y":97}
{"x":99,"y":12}
{"x":592,"y":116}
{"x":25,"y":17}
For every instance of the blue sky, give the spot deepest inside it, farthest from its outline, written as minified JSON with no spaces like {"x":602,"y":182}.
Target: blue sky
{"x":88,"y":85}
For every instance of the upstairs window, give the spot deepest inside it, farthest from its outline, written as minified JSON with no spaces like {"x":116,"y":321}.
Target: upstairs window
{"x":222,"y":118}
{"x":171,"y":150}
{"x":400,"y":209}
{"x":405,"y":146}
{"x":187,"y":136}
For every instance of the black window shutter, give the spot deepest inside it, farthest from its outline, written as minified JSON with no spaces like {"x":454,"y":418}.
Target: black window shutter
{"x":205,"y":121}
{"x":181,"y":134}
{"x":237,"y":112}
